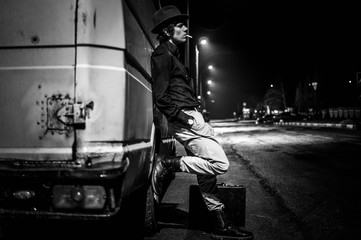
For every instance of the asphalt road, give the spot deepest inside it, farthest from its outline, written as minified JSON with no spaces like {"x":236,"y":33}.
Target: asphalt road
{"x":300,"y":184}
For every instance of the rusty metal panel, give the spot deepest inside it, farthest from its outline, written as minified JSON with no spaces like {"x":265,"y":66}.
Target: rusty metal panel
{"x":29,"y":78}
{"x":101,"y":80}
{"x":37,"y":22}
{"x":122,"y":102}
{"x":101,"y":23}
{"x":41,"y":87}
{"x":36,"y":77}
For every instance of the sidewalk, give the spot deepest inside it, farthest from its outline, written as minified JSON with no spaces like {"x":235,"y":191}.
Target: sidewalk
{"x":342,"y":124}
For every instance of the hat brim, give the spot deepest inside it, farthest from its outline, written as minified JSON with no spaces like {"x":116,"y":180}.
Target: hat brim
{"x":163,"y":24}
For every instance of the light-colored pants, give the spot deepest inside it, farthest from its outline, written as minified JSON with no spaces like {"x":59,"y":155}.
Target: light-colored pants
{"x":206,"y":158}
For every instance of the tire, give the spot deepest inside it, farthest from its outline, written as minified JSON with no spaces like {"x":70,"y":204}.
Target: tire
{"x":151,"y":226}
{"x":150,"y":220}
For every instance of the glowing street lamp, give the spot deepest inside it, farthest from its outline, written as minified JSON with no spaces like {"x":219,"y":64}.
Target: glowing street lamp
{"x":199,"y":91}
{"x":202,"y":41}
{"x":314,"y":85}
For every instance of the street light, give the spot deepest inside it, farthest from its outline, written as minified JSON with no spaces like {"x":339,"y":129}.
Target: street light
{"x":314,"y":85}
{"x":202,"y":41}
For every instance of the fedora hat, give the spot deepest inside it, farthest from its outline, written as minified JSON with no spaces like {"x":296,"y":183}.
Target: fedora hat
{"x":165,"y":15}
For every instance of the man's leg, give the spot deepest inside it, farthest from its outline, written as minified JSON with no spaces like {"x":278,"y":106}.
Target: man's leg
{"x":207,"y":161}
{"x":208,"y":157}
{"x":209,"y":190}
{"x":162,"y":173}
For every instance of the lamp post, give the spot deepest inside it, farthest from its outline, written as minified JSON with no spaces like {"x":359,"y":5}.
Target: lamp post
{"x":197,"y":72}
{"x":199,"y":92}
{"x":314,"y":85}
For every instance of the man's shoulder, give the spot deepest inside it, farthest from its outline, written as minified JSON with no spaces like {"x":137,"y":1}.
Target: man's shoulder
{"x":160,"y":50}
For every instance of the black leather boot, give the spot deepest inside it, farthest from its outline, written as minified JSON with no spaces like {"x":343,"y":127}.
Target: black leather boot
{"x":162,"y":172}
{"x":221,"y":229}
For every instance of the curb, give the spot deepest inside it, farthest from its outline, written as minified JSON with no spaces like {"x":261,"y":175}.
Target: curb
{"x":321,"y":125}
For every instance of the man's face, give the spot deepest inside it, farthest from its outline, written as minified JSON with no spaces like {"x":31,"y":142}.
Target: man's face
{"x":180,"y":32}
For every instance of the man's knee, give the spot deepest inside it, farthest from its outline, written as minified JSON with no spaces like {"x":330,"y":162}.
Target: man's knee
{"x":221,"y":167}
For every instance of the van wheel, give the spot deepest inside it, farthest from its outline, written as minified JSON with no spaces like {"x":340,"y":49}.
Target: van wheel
{"x":150,"y":221}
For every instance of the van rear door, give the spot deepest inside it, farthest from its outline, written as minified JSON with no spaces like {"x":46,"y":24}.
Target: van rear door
{"x":37,"y":76}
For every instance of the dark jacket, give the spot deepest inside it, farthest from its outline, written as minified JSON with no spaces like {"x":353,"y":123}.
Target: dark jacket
{"x":172,"y":86}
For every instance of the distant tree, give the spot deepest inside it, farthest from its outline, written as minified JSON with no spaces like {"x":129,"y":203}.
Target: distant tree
{"x":275,"y":97}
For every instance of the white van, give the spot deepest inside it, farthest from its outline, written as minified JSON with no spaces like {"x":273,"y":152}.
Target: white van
{"x":78,"y":128}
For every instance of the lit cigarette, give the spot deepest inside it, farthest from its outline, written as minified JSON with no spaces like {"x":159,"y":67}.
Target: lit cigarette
{"x":189,"y":36}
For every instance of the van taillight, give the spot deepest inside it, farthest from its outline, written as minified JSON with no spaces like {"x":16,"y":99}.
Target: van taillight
{"x":84,"y":197}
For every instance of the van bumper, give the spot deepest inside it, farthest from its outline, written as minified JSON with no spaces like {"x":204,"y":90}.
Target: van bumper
{"x":44,"y":192}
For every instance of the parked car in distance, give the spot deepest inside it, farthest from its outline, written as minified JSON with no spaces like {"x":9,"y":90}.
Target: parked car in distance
{"x":287,"y":117}
{"x":265,"y":119}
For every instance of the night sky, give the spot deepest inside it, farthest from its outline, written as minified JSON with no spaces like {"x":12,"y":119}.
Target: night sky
{"x":255,"y":43}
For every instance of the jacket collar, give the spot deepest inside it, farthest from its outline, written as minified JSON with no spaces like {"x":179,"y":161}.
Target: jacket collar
{"x":172,"y":47}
